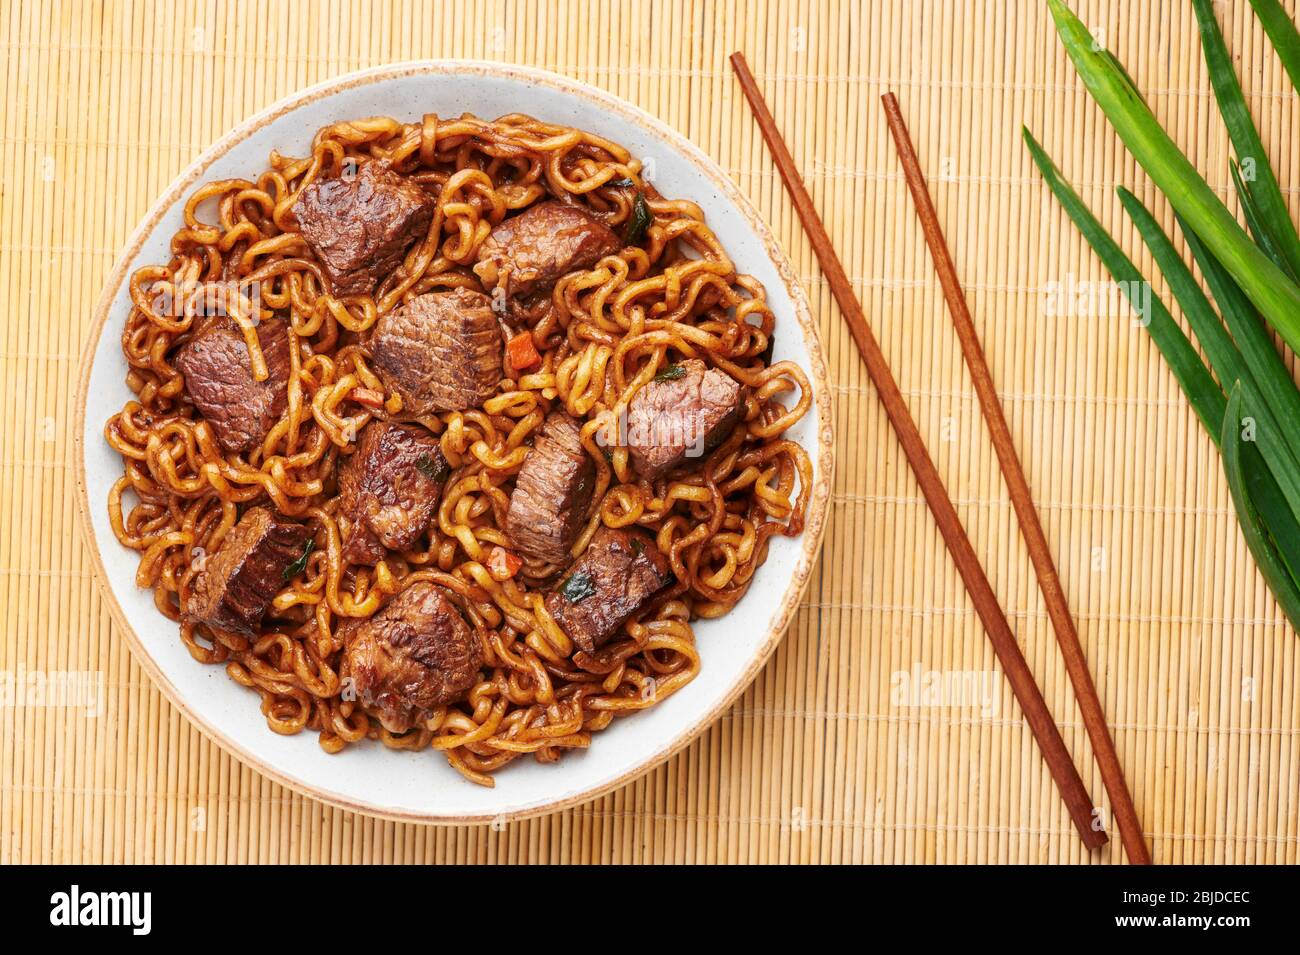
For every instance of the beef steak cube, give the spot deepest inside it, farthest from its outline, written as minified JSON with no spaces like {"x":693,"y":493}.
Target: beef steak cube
{"x":219,"y":380}
{"x":415,"y":654}
{"x":360,"y":225}
{"x":389,"y":490}
{"x":235,"y":585}
{"x":440,"y":351}
{"x":686,"y":411}
{"x":620,"y":570}
{"x":552,"y":492}
{"x":527,"y":253}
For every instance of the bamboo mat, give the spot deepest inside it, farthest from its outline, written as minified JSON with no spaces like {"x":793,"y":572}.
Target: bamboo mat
{"x":833,"y":754}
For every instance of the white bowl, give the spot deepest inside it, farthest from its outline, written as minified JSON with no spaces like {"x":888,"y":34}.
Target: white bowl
{"x":421,"y":786}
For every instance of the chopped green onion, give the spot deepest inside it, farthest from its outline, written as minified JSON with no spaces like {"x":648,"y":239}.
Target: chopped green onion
{"x":578,"y":587}
{"x":435,"y":470}
{"x":670,"y":373}
{"x":638,"y":222}
{"x":299,"y":565}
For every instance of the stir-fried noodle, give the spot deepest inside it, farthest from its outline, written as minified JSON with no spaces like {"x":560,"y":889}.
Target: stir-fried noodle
{"x":602,"y":334}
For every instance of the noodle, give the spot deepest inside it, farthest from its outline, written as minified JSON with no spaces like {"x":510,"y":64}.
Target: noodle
{"x":604,"y":333}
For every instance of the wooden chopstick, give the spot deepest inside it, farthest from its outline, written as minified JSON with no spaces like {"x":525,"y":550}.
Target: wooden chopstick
{"x":1053,"y":748}
{"x":1049,"y":581}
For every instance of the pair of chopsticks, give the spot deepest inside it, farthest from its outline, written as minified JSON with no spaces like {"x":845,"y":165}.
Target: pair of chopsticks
{"x":1039,"y":718}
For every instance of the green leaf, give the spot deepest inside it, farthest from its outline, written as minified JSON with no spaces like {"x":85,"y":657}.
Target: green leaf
{"x":1265,"y":197}
{"x":1255,"y":344}
{"x":1275,"y":295}
{"x":1272,"y":446}
{"x":1273,"y":510}
{"x":299,"y":565}
{"x":1261,"y":543}
{"x":670,"y":373}
{"x":433,"y":466}
{"x":1280,"y":29}
{"x":578,"y":587}
{"x":1254,"y":221}
{"x":1224,"y":358}
{"x":638,"y":222}
{"x":1194,"y":378}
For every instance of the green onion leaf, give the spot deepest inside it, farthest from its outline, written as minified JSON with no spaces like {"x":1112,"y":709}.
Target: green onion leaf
{"x":1275,"y":295}
{"x":1257,"y":425}
{"x":1260,"y":184}
{"x":1273,"y":510}
{"x":1255,"y":222}
{"x":1272,"y":565}
{"x":1270,"y":374}
{"x":670,"y":373}
{"x":299,"y":565}
{"x":1224,"y":358}
{"x":434,"y":469}
{"x":638,"y":222}
{"x":1194,"y":378}
{"x":1286,"y":40}
{"x":578,"y":587}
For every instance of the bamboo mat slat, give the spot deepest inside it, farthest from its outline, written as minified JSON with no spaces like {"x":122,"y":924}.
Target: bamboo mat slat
{"x":822,"y":759}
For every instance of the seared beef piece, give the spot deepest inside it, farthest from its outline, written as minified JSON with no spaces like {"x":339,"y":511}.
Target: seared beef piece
{"x":236,"y":584}
{"x":219,"y":380}
{"x":552,"y":491}
{"x":618,"y":572}
{"x":389,"y":490}
{"x":440,"y":352}
{"x":413,"y":655}
{"x":528,"y":252}
{"x":360,"y":225}
{"x":686,"y":410}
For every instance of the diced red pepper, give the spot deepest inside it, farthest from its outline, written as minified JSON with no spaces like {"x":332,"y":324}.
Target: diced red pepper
{"x":502,"y":563}
{"x":368,"y":397}
{"x":522,"y":351}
